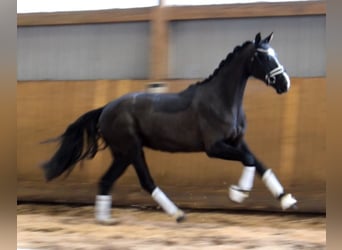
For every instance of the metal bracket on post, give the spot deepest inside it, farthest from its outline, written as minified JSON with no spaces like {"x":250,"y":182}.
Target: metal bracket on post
{"x":156,"y":87}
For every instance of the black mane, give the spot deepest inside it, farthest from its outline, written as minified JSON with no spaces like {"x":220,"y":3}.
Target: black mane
{"x":225,"y":61}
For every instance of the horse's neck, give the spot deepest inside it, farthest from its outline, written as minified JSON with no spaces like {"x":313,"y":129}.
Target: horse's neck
{"x":230,"y":85}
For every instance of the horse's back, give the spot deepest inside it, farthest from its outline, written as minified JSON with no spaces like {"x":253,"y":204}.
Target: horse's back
{"x":170,"y":123}
{"x":147,"y":103}
{"x":160,"y":121}
{"x":173,"y":102}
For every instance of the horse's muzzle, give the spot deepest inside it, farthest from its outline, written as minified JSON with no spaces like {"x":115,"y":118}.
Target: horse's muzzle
{"x":283,"y":83}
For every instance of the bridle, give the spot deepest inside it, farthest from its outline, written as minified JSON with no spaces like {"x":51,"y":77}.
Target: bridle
{"x":270,"y":76}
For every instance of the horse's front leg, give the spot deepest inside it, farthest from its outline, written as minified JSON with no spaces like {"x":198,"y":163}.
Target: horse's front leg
{"x":221,"y":149}
{"x":267,"y":176}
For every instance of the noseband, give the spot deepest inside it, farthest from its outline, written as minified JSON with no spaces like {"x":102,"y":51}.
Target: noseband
{"x":270,"y":77}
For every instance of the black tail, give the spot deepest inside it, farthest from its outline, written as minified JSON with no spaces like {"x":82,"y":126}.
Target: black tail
{"x":78,"y":142}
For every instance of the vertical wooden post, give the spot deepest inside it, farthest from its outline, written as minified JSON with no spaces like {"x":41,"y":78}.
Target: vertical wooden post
{"x":158,"y":44}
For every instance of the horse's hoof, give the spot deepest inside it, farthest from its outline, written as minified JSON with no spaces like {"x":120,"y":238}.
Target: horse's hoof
{"x":294,"y":207}
{"x":288,"y":201}
{"x":236,"y":194}
{"x":107,"y":222}
{"x":180,"y":216}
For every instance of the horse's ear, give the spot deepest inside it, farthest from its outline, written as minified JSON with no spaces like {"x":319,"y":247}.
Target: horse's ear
{"x":269,"y":38}
{"x":257,"y":39}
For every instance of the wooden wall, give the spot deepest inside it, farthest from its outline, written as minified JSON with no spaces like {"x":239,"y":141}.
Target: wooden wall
{"x":287,"y":132}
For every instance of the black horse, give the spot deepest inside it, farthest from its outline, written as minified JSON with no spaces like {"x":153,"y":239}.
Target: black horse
{"x":206,"y":117}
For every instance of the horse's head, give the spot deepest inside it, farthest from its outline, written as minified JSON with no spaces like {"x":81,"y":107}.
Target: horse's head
{"x":266,"y":67}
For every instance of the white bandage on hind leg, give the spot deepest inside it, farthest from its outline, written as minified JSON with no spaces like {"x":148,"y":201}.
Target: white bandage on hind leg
{"x":247,"y":178}
{"x":103,"y":205}
{"x":168,"y":206}
{"x":272,"y":183}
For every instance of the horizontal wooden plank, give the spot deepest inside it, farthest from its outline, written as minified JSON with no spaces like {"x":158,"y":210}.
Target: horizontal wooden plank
{"x":175,"y":13}
{"x":311,"y":198}
{"x":246,"y":10}
{"x":286,"y":132}
{"x":85,"y":17}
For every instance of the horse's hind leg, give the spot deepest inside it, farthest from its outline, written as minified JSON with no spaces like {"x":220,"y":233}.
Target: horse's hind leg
{"x":157,"y":194}
{"x":103,"y":201}
{"x":267,"y":176}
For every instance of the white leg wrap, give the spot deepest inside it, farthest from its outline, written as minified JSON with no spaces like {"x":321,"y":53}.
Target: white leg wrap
{"x":247,"y":178}
{"x":168,"y":206}
{"x":236,"y":194}
{"x":240,"y":192}
{"x":287,"y":201}
{"x":272,"y":183}
{"x":103,"y":206}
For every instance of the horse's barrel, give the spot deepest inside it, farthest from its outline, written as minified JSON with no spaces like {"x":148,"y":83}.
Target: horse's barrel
{"x":156,"y":87}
